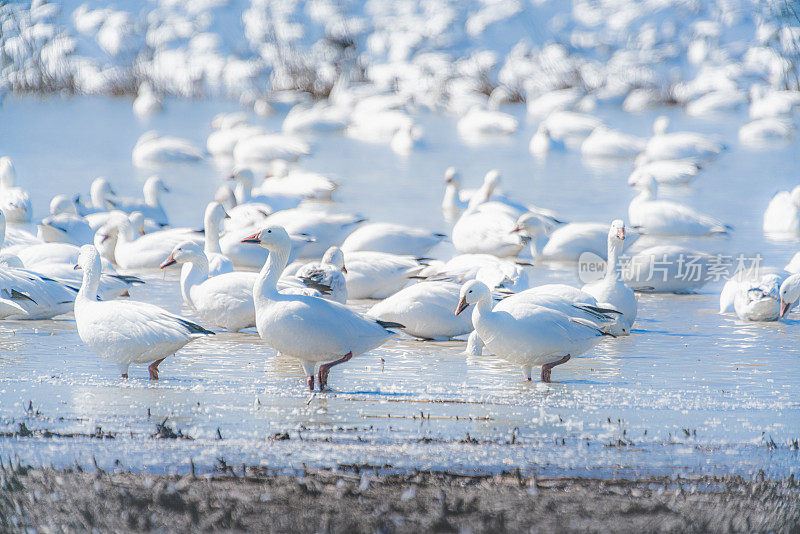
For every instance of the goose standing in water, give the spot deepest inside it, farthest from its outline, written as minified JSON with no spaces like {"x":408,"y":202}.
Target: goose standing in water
{"x":313,"y":330}
{"x":126,"y":331}
{"x":15,"y":202}
{"x":526,"y":334}
{"x":611,"y":289}
{"x":651,"y":216}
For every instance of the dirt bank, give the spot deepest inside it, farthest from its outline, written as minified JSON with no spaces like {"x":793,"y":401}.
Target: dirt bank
{"x":325,"y":501}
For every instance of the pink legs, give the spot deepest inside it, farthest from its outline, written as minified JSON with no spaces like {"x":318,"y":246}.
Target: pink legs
{"x":325,"y":368}
{"x":153,"y":368}
{"x":546,"y":368}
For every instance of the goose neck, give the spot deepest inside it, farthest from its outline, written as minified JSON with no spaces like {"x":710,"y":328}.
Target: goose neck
{"x":193,"y":273}
{"x":267,"y":282}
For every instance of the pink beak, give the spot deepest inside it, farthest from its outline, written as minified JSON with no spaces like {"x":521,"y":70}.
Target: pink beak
{"x":169,"y":261}
{"x":462,"y":305}
{"x":515,"y":230}
{"x":621,"y":234}
{"x":785,"y":307}
{"x":252,"y":238}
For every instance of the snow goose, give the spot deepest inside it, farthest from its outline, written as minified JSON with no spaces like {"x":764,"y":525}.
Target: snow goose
{"x":493,"y":271}
{"x":325,"y":229}
{"x":611,"y":290}
{"x":218,"y":263}
{"x":99,"y":193}
{"x":763,"y":131}
{"x":551,"y":102}
{"x":479,"y":122}
{"x":313,"y":330}
{"x":454,"y":201}
{"x":782,"y":216}
{"x":378,"y":126}
{"x":281,"y":180}
{"x":651,"y":216}
{"x":678,"y":145}
{"x":405,"y":139}
{"x":568,"y":125}
{"x":126,"y":331}
{"x":15,"y":203}
{"x":425,"y":310}
{"x":670,"y":172}
{"x":392,"y":239}
{"x":153,"y":149}
{"x":26,"y":294}
{"x":567,"y":242}
{"x":716,"y":102}
{"x":487,"y":194}
{"x":149,"y":206}
{"x":604,"y":142}
{"x":144,"y":252}
{"x":542,"y":142}
{"x":377,"y":275}
{"x":488,"y":229}
{"x":220,"y":143}
{"x":64,"y":225}
{"x":789,"y":293}
{"x":524,"y":333}
{"x":147,"y":101}
{"x":667,"y":269}
{"x":319,"y":117}
{"x":329,"y":271}
{"x":758,"y":299}
{"x":225,"y":300}
{"x":259,"y":150}
{"x":243,"y":191}
{"x":766,"y":103}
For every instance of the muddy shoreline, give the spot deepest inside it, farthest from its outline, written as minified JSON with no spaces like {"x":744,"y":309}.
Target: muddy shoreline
{"x":51,"y":500}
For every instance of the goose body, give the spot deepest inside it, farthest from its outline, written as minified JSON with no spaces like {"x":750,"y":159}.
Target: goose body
{"x":782,"y":216}
{"x":218,"y":263}
{"x":125,"y":331}
{"x":329,"y":271}
{"x":489,"y":269}
{"x":26,"y":294}
{"x":679,"y":145}
{"x":479,"y":122}
{"x":262,"y":148}
{"x":150,"y":207}
{"x":147,"y":102}
{"x":762,"y":131}
{"x":664,"y":217}
{"x":313,"y":330}
{"x":487,"y":230}
{"x":220,"y":143}
{"x":15,"y":202}
{"x":153,"y":149}
{"x":524,"y":333}
{"x":377,"y":275}
{"x":670,"y":172}
{"x":391,"y":239}
{"x":667,"y":269}
{"x":604,"y":142}
{"x":610,"y":290}
{"x":758,"y":300}
{"x":144,"y":252}
{"x":568,"y":242}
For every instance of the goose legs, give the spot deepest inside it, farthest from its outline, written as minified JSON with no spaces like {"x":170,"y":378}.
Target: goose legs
{"x":546,"y":368}
{"x":325,"y":368}
{"x":310,"y":382}
{"x":153,"y":368}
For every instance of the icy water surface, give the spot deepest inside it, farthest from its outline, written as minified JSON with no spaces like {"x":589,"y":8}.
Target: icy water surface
{"x":690,"y":390}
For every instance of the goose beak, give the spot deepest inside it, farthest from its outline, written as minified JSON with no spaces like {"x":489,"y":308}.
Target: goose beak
{"x":169,"y":261}
{"x":462,"y":305}
{"x":165,"y":189}
{"x":621,"y":234}
{"x":141,"y":231}
{"x":104,"y":238}
{"x":515,"y":229}
{"x":344,"y":269}
{"x":227,"y":215}
{"x":231,"y":177}
{"x":77,"y":267}
{"x":785,"y":307}
{"x":252,"y":239}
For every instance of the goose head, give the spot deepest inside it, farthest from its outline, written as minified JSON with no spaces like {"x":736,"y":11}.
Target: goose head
{"x":152,"y":188}
{"x":8,"y":176}
{"x":616,"y":233}
{"x":451,"y":176}
{"x":472,"y":292}
{"x":188,"y":251}
{"x":789,"y":293}
{"x":224,"y":195}
{"x":530,"y":224}
{"x":99,"y":191}
{"x":273,"y":238}
{"x":660,"y":125}
{"x":137,"y":222}
{"x":105,"y":241}
{"x":243,"y":176}
{"x":492,"y":179}
{"x":646,"y":183}
{"x":88,"y":259}
{"x":335,"y":256}
{"x":62,"y":204}
{"x":215,"y":213}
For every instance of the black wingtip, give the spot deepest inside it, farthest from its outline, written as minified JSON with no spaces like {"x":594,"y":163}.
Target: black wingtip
{"x":389,"y":324}
{"x":195,"y":328}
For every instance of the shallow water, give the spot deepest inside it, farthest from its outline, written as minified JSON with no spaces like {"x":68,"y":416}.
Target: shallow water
{"x":690,"y":389}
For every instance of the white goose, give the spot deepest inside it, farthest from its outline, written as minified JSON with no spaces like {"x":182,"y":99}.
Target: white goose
{"x":526,"y":334}
{"x":243,"y":192}
{"x":782,"y":217}
{"x":566,"y":125}
{"x":481,"y":122}
{"x":15,"y":203}
{"x":425,"y":310}
{"x":484,"y":229}
{"x":99,"y":193}
{"x":604,"y":142}
{"x":611,"y":290}
{"x":218,"y":263}
{"x":281,"y":180}
{"x":25,"y":294}
{"x":678,"y":145}
{"x":221,"y":142}
{"x":663,"y":217}
{"x":716,"y":102}
{"x":224,"y":300}
{"x":143,"y":252}
{"x":262,"y":148}
{"x":764,"y":131}
{"x":671,"y":172}
{"x":568,"y":242}
{"x":312,"y":330}
{"x":377,"y":275}
{"x":150,"y":206}
{"x":64,"y":225}
{"x":491,"y":270}
{"x":667,"y":269}
{"x":153,"y":149}
{"x":147,"y":102}
{"x":329,"y":271}
{"x":789,"y":293}
{"x":126,"y":331}
{"x":326,"y":229}
{"x":392,"y":239}
{"x":758,"y":300}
